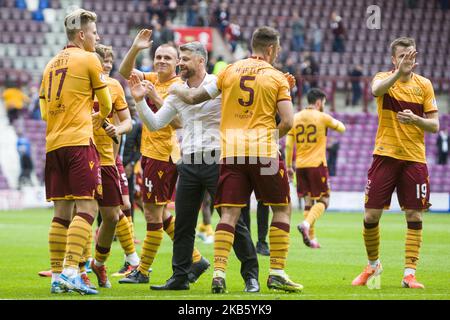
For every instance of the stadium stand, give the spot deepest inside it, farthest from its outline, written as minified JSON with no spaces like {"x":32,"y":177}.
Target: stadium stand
{"x":27,"y":42}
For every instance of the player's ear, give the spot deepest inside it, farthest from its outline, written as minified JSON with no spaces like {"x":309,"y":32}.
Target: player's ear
{"x":81,"y":34}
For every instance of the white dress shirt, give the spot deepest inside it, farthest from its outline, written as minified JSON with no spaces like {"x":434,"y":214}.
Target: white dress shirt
{"x":201,"y":122}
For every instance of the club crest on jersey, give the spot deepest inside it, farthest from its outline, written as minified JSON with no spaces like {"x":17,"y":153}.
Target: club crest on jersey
{"x":91,"y":164}
{"x":424,"y":201}
{"x":100,"y":189}
{"x":149,"y":194}
{"x":160,"y":173}
{"x":417,"y":91}
{"x":282,"y":173}
{"x":324,"y":179}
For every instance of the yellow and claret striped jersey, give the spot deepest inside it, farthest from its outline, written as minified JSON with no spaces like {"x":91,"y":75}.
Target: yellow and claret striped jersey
{"x":103,"y":142}
{"x":251,"y":89}
{"x":402,"y":141}
{"x":68,"y":85}
{"x":159,"y":144}
{"x":310,"y":135}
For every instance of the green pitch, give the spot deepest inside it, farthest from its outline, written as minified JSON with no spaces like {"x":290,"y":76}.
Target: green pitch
{"x":326,"y":273}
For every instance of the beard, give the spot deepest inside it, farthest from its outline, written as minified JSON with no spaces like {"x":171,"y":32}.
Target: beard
{"x":187,"y":73}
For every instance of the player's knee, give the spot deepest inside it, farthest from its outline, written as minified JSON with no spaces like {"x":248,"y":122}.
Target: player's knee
{"x":88,"y":206}
{"x":372,"y":215}
{"x":413,"y":215}
{"x":230,"y":216}
{"x":282,"y":213}
{"x":325,"y":201}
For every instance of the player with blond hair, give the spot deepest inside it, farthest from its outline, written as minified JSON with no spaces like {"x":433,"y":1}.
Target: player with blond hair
{"x":72,"y":171}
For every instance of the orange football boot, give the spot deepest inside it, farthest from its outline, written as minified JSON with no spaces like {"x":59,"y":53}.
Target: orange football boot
{"x":369,"y":272}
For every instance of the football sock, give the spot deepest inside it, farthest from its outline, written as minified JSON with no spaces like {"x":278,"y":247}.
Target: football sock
{"x":371,"y":234}
{"x":209,"y":230}
{"x":413,"y":243}
{"x":315,"y":213}
{"x":123,"y":232}
{"x":223,"y":241}
{"x":57,"y":238}
{"x":201,"y":227}
{"x":77,"y":237}
{"x":150,"y":246}
{"x":169,"y":226}
{"x":101,"y":255}
{"x":132,"y":259}
{"x":279,"y":244}
{"x":127,"y":214}
{"x":311,"y":227}
{"x":87,"y":253}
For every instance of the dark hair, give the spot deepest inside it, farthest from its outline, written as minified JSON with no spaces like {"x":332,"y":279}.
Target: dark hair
{"x":402,"y":42}
{"x":315,"y":94}
{"x":264,"y":37}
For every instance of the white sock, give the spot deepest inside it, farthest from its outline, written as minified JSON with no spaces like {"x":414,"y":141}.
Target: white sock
{"x":98,"y":264}
{"x":70,"y":272}
{"x":306,"y":224}
{"x":409,"y":271}
{"x":133,"y":259}
{"x":374,"y":263}
{"x":277,"y":272}
{"x":55,"y":276}
{"x":219,"y":274}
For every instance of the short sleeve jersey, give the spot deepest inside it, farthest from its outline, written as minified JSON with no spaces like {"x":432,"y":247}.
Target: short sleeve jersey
{"x":102,"y":141}
{"x":310,"y":136}
{"x":68,"y":85}
{"x":159,"y":144}
{"x":402,"y":141}
{"x":251,"y":89}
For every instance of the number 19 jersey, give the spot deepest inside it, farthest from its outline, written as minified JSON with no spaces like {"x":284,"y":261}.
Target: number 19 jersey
{"x":310,"y":136}
{"x":251,"y":89}
{"x":68,"y":87}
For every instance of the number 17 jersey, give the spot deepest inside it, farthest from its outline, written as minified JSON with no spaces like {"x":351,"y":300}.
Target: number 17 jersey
{"x":251,"y":89}
{"x":68,"y":87}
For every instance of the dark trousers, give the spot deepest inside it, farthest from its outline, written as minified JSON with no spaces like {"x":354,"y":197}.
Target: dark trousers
{"x":262,"y":218}
{"x":442,"y":157}
{"x":193,"y":181}
{"x":130,"y":180}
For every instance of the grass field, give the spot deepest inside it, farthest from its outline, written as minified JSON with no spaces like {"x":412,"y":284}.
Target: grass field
{"x":325,"y":273}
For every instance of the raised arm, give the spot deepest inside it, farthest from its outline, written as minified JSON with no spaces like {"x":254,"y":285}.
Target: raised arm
{"x":405,"y":67}
{"x":153,"y":121}
{"x":195,"y":95}
{"x":142,"y":41}
{"x":190,"y":96}
{"x":337,"y":126}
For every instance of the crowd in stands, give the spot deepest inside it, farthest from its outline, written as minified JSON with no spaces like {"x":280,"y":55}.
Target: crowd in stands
{"x":297,"y":57}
